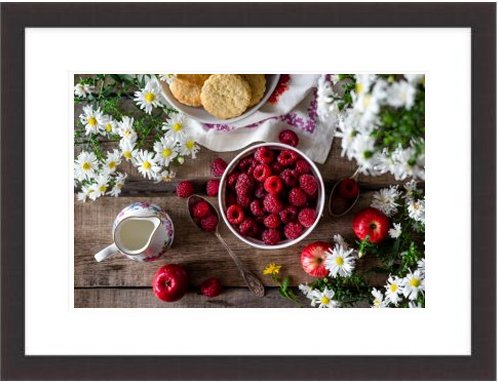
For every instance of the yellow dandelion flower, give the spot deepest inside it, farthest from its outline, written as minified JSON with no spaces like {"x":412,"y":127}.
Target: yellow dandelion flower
{"x":272,"y":269}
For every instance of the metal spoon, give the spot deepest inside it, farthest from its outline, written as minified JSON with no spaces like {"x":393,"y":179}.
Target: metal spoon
{"x":331,"y":198}
{"x":253,"y":283}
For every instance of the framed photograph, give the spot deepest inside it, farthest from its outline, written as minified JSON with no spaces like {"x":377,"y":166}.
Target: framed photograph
{"x":187,"y":188}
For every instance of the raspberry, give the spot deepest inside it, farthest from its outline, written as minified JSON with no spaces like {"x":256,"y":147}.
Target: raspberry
{"x":244,"y":200}
{"x":231,"y":198}
{"x":248,"y":227}
{"x":212,"y":187}
{"x":288,"y":137}
{"x":272,"y":221}
{"x":184,"y":189}
{"x":273,"y":185}
{"x":257,"y":208}
{"x":232,"y":179}
{"x":209,"y":223}
{"x":290,"y":177}
{"x":297,"y":197}
{"x":276,"y":168}
{"x":348,"y":188}
{"x":289,"y":214}
{"x":287,"y":157}
{"x":211,"y":287}
{"x":293,"y":230}
{"x":244,"y":185}
{"x":307,"y":217}
{"x":201,"y":209}
{"x":302,"y":167}
{"x":245,"y":163}
{"x":271,"y":236}
{"x":218,"y":167}
{"x":272,"y":204}
{"x":308,"y":184}
{"x":260,"y":191}
{"x":235,"y":214}
{"x":264,"y":155}
{"x":261,"y":172}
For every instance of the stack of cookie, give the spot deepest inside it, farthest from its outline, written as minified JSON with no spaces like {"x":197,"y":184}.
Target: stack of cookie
{"x":222,"y":95}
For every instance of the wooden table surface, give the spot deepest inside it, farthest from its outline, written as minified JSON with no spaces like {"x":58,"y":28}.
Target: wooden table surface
{"x":119,"y":282}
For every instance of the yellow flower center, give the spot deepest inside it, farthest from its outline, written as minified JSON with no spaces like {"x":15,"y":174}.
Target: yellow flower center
{"x":359,"y":88}
{"x":190,"y":144}
{"x":112,"y":165}
{"x":92,"y":121}
{"x":86,"y":166}
{"x":167,"y":152}
{"x":366,"y":100}
{"x":377,"y":302}
{"x":414,"y":282}
{"x":146,"y":165}
{"x":149,"y":97}
{"x":339,"y":261}
{"x":108,"y":127}
{"x":102,"y":188}
{"x":177,"y":126}
{"x":325,"y":300}
{"x":127,"y":154}
{"x":393,"y":288}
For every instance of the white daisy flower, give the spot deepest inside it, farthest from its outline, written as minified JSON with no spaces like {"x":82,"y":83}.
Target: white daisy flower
{"x":395,"y":231}
{"x":99,"y":187}
{"x":83,"y":90}
{"x":177,"y":127}
{"x":339,"y":261}
{"x":188,"y":147}
{"x":401,"y":94}
{"x":323,"y":298}
{"x":413,"y":284}
{"x":110,"y":125}
{"x":385,"y":200}
{"x":165,"y":176}
{"x":166,"y":150}
{"x":416,"y":210}
{"x":112,"y":161}
{"x":148,"y":97}
{"x":410,"y":187}
{"x":127,"y":147}
{"x":421,"y":267}
{"x":118,"y":184}
{"x":85,"y":166}
{"x":125,"y":129}
{"x":146,"y":164}
{"x":93,"y":120}
{"x":378,"y":301}
{"x":394,"y":288}
{"x":306,"y":290}
{"x":84,"y":193}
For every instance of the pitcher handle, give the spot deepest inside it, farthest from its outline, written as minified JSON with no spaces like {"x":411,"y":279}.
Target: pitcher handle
{"x":107,"y":252}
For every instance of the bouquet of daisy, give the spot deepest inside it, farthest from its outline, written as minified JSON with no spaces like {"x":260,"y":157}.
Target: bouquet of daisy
{"x":381,"y":121}
{"x":151,"y":136}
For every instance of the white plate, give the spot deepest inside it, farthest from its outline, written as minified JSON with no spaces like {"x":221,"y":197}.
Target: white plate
{"x":201,"y":115}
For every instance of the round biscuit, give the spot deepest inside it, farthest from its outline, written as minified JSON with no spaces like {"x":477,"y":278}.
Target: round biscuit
{"x":197,"y":79}
{"x":186,"y":92}
{"x":257,"y":82}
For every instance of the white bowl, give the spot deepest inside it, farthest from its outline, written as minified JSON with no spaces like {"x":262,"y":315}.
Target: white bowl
{"x":201,"y":115}
{"x":252,"y":241}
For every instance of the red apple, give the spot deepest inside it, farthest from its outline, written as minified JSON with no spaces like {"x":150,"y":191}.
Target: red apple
{"x":170,"y":283}
{"x":371,"y":222}
{"x":348,"y":188}
{"x":313,"y":259}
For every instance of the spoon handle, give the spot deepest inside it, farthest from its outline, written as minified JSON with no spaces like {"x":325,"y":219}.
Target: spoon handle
{"x":254,"y":284}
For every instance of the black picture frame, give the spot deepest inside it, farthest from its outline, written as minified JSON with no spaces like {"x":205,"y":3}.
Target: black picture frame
{"x":480,"y":17}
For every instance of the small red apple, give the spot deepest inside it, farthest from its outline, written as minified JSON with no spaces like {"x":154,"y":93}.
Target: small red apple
{"x":371,"y":222}
{"x":313,"y":259}
{"x":348,"y":188}
{"x":170,"y":283}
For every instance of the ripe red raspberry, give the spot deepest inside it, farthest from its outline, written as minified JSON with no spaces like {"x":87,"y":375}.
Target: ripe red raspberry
{"x":289,"y":214}
{"x":290,"y":177}
{"x":272,"y":204}
{"x":271,"y":236}
{"x":244,"y":185}
{"x":248,"y":227}
{"x":274,"y":185}
{"x":218,"y":167}
{"x":201,"y":209}
{"x":287,"y":157}
{"x":212,"y":187}
{"x":209,"y":223}
{"x":261,"y":172}
{"x":307,"y":217}
{"x":264,"y":155}
{"x":211,"y":287}
{"x":272,"y":221}
{"x":232,"y":179}
{"x":260,"y":191}
{"x":348,"y":188}
{"x":302,"y":167}
{"x":276,"y":168}
{"x":235,"y":214}
{"x":185,"y":189}
{"x":245,"y":163}
{"x":244,"y":200}
{"x":257,"y":208}
{"x":293,"y":230}
{"x":308,"y":183}
{"x":297,"y":197}
{"x":288,"y":137}
{"x":231,"y":198}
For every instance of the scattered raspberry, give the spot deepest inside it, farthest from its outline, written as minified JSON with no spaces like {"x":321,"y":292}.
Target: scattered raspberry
{"x":288,"y":137}
{"x":272,"y":204}
{"x":271,"y":236}
{"x":209,"y":223}
{"x":248,"y":227}
{"x":211,"y":287}
{"x":293,"y":230}
{"x":235,"y":214}
{"x":257,"y":208}
{"x":297,"y":197}
{"x":212,"y":187}
{"x":261,"y":172}
{"x":348,"y":188}
{"x":276,"y":168}
{"x":264,"y":155}
{"x":232,"y":179}
{"x":302,"y":167}
{"x":245,"y":163}
{"x":290,"y":177}
{"x":244,"y":200}
{"x":201,"y":209}
{"x":218,"y":167}
{"x":287,"y":157}
{"x":272,"y":221}
{"x":308,"y":184}
{"x":231,"y":199}
{"x":307,"y":217}
{"x":185,"y":189}
{"x":260,"y":191}
{"x":244,"y":185}
{"x":273,"y":185}
{"x":289,"y":214}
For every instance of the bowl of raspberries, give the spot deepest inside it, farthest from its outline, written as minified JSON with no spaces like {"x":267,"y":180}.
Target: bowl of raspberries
{"x":271,"y":196}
